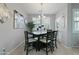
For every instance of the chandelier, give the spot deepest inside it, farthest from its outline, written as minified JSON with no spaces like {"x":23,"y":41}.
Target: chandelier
{"x":4,"y":12}
{"x":41,"y":13}
{"x":41,"y":16}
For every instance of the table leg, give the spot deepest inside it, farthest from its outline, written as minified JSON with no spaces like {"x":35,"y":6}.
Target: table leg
{"x":38,"y":43}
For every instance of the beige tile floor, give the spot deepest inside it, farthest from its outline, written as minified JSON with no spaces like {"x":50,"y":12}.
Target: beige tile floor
{"x":61,"y":50}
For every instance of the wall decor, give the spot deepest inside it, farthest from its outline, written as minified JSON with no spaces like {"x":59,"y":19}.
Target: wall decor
{"x":4,"y":13}
{"x":19,"y":21}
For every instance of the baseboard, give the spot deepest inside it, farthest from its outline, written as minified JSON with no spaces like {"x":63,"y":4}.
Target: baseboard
{"x":15,"y":48}
{"x":68,"y":46}
{"x":75,"y":46}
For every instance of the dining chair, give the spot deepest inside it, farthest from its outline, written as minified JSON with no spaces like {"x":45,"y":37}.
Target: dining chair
{"x":47,"y":42}
{"x":55,"y":38}
{"x":29,"y":40}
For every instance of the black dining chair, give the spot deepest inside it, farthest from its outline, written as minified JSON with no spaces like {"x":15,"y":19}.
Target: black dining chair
{"x":47,"y":42}
{"x":29,"y":40}
{"x":55,"y":38}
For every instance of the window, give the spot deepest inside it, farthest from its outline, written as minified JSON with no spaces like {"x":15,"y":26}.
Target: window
{"x":45,"y":21}
{"x":76,"y":20}
{"x":36,"y":21}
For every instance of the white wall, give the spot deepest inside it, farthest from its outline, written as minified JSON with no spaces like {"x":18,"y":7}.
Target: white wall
{"x":10,"y":37}
{"x":62,"y":34}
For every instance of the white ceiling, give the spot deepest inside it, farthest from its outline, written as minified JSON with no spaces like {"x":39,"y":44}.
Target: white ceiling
{"x":34,"y":8}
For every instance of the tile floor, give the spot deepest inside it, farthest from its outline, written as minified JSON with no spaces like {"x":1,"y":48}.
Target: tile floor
{"x":61,"y":50}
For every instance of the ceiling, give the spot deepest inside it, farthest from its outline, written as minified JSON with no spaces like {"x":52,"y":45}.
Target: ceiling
{"x":34,"y":8}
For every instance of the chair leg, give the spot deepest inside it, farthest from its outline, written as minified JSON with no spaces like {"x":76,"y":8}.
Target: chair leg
{"x":53,"y":48}
{"x":46,"y":50}
{"x":24,"y":47}
{"x":55,"y":43}
{"x":36,"y":46}
{"x":27,"y":52}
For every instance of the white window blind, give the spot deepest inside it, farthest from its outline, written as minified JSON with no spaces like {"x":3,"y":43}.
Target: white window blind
{"x":45,"y":21}
{"x":75,"y":20}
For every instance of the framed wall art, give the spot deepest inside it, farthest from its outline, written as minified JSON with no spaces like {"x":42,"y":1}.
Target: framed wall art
{"x":19,"y":21}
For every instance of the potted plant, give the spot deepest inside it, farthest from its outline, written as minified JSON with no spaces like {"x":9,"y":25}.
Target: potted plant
{"x":30,"y":25}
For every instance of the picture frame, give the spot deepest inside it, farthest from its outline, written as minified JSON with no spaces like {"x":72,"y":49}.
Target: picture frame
{"x":19,"y":21}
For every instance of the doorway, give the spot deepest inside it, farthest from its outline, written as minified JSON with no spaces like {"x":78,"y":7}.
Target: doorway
{"x":60,"y":26}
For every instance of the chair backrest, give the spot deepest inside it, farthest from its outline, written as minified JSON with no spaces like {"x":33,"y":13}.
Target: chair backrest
{"x":55,"y":34}
{"x":28,"y":35}
{"x":49,"y":34}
